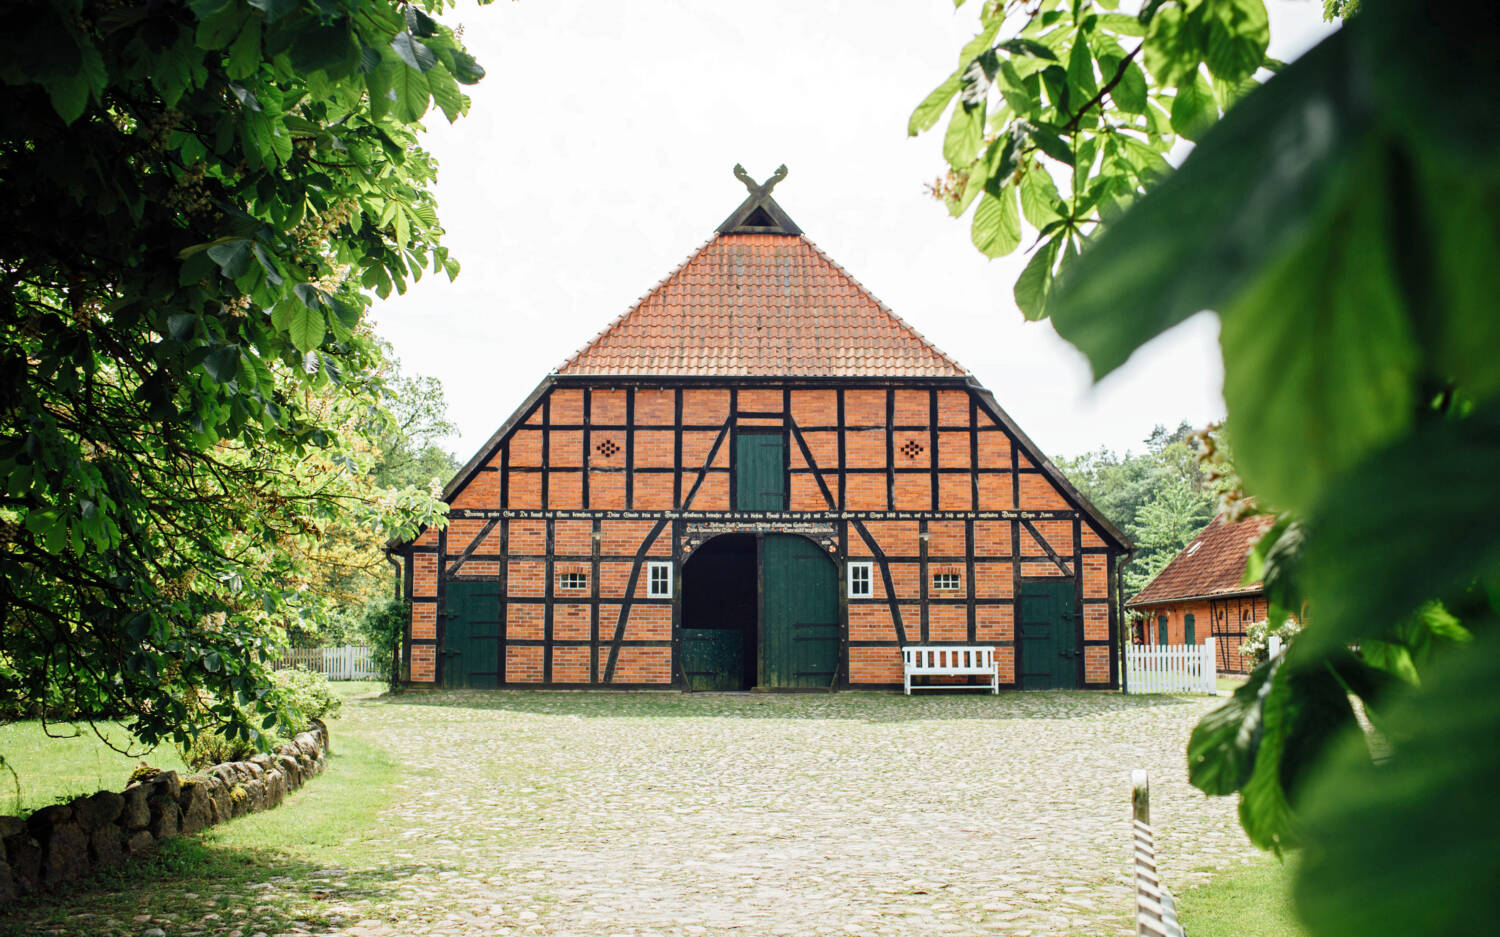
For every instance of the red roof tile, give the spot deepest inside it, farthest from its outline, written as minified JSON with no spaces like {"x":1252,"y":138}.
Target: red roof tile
{"x":763,"y":305}
{"x":1213,"y":564}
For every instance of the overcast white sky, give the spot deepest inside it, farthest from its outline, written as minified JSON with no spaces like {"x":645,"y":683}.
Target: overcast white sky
{"x":597,"y":156}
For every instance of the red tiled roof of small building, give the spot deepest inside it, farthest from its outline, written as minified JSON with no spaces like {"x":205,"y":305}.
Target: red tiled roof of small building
{"x":1213,"y":564}
{"x":760,"y":305}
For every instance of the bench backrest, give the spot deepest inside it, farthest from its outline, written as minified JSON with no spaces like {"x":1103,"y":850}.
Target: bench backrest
{"x":919,"y":657}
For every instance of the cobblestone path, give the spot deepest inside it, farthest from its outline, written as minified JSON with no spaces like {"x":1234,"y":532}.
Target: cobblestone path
{"x":595,"y":814}
{"x":796,"y":815}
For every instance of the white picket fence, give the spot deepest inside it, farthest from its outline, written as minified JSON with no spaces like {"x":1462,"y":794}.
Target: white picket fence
{"x":349,"y":662}
{"x":1171,"y":668}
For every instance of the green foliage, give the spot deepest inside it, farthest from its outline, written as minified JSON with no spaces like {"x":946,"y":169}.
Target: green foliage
{"x":347,"y":577}
{"x":305,"y":696}
{"x":295,"y":698}
{"x":1342,"y":221}
{"x":383,"y":627}
{"x":410,"y":451}
{"x":198,"y":193}
{"x":1073,"y":106}
{"x":1165,"y":525}
{"x":1161,"y":497}
{"x":1409,"y":845}
{"x":1339,"y":9}
{"x":209,"y":747}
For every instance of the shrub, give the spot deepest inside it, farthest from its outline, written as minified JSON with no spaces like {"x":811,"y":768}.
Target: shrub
{"x":210,"y":747}
{"x":299,"y":697}
{"x":1258,"y":637}
{"x":383,"y":625}
{"x":303,"y":696}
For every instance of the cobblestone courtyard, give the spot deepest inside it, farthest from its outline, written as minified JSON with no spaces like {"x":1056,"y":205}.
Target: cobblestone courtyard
{"x":646,"y":814}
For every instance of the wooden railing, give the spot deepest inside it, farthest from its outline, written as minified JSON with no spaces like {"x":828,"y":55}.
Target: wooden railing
{"x":1155,"y":911}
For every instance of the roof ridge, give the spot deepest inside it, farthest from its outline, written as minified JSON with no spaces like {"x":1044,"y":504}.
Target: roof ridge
{"x":910,"y":330}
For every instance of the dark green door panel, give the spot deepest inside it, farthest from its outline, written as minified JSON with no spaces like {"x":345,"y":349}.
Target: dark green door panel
{"x":759,"y":470}
{"x":713,"y":659}
{"x":1189,"y":630}
{"x":1161,"y":629}
{"x":1049,"y":636}
{"x":799,"y":637}
{"x":471,"y":637}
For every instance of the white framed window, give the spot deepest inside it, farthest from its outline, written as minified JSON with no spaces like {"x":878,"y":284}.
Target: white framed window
{"x":573,"y":580}
{"x":859,"y":580}
{"x":659,"y":580}
{"x":944,"y":582}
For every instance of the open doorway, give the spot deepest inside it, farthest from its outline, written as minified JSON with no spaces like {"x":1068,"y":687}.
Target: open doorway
{"x":719,"y":613}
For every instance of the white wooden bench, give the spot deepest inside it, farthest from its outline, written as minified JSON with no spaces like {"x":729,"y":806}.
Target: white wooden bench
{"x":942,"y":660}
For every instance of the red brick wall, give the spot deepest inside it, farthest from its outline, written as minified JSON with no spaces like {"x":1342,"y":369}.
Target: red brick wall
{"x":621,"y":449}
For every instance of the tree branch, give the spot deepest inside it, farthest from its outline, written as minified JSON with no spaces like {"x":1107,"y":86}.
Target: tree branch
{"x":1072,"y":125}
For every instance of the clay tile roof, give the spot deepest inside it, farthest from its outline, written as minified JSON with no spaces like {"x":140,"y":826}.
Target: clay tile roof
{"x":1213,"y":564}
{"x":762,"y":305}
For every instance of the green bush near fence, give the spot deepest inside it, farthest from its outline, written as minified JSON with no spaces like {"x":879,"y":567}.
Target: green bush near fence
{"x":299,"y":697}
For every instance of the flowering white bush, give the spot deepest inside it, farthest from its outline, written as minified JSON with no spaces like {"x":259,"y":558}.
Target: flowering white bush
{"x":1258,"y":634}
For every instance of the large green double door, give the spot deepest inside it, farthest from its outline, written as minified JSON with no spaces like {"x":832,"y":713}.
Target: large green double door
{"x":471,"y":634}
{"x":1048,"y":635}
{"x":763,"y":612}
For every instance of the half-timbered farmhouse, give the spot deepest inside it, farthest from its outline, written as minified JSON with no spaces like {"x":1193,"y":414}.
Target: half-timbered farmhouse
{"x":759,"y":477}
{"x":1200,"y":594}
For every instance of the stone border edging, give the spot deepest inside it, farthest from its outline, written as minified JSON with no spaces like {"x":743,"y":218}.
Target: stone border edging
{"x":65,"y":842}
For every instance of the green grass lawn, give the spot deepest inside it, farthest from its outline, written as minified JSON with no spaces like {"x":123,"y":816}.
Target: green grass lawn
{"x":1250,"y":900}
{"x":1230,"y":683}
{"x":329,"y":823}
{"x":40,"y":769}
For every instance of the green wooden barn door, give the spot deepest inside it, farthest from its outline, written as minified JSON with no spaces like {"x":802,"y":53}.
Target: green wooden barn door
{"x":799,"y":637}
{"x":760,"y":479}
{"x":1049,"y":641}
{"x":471,"y":638}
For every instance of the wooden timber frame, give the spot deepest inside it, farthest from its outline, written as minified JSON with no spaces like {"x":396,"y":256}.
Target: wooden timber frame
{"x":599,"y":475}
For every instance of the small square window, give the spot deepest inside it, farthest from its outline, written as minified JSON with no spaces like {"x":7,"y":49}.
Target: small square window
{"x":659,"y":580}
{"x":573,"y":581}
{"x":945,"y":581}
{"x":859,"y":580}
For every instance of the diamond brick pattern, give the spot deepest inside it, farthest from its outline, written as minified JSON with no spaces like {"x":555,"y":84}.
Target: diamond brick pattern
{"x":764,"y":305}
{"x":607,"y":448}
{"x":1213,"y":564}
{"x":912,"y":449}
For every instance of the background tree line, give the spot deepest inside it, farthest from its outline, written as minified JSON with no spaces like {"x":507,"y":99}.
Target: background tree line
{"x":1161,"y":497}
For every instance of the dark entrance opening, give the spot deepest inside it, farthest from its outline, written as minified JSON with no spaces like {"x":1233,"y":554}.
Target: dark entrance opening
{"x":719,"y":614}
